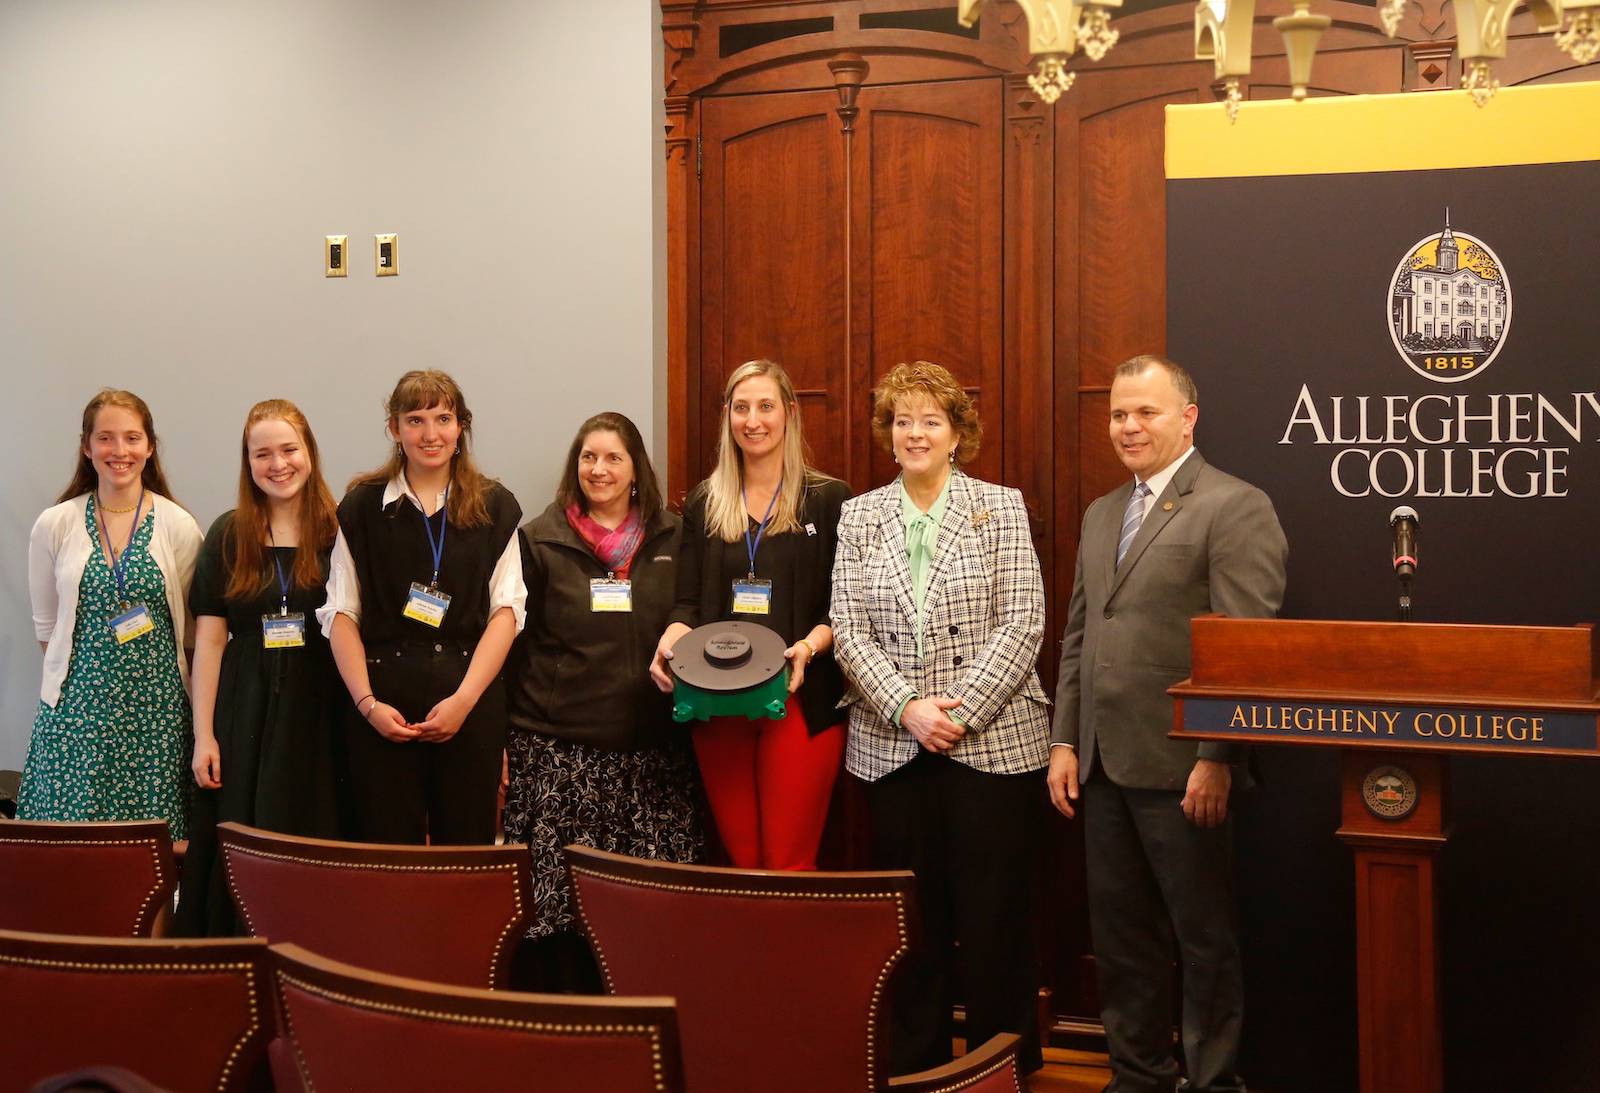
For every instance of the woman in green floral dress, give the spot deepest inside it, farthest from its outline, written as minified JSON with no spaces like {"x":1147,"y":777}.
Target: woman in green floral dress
{"x":108,"y":569}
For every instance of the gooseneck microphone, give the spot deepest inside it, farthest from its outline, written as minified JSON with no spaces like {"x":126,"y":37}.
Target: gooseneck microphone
{"x":1404,"y":522}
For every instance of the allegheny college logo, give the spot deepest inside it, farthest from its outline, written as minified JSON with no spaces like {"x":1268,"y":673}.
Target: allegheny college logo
{"x":1390,"y":793}
{"x":1449,"y":306}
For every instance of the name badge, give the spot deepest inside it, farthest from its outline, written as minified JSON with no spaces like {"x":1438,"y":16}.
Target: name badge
{"x":134,"y":622}
{"x":609,"y":594}
{"x":426,"y":605}
{"x":752,"y":597}
{"x":283,"y":631}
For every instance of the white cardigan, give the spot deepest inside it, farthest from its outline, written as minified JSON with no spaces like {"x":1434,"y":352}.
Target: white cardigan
{"x":58,"y":551}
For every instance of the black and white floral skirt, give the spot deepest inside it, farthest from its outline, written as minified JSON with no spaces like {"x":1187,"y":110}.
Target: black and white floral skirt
{"x":640,"y":803}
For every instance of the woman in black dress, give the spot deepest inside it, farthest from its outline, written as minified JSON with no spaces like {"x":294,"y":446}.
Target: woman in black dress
{"x":264,"y":684}
{"x":594,"y":756}
{"x":425,"y":597}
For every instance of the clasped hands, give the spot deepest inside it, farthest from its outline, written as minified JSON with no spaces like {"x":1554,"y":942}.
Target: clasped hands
{"x":442,"y":722}
{"x":929,"y":721}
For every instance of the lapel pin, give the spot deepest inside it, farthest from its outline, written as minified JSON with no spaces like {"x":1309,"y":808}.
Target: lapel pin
{"x":1166,"y":506}
{"x":980,"y":517}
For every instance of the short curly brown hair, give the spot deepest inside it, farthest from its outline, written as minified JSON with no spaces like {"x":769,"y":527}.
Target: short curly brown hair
{"x":925,"y":380}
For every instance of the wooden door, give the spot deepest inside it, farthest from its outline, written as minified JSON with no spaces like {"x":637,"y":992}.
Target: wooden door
{"x":841,"y":252}
{"x":925,"y":216}
{"x":773,"y":270}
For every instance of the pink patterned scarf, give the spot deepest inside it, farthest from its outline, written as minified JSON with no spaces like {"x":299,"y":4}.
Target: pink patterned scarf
{"x":614,"y":548}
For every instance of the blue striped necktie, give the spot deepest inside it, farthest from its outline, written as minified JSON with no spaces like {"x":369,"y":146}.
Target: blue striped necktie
{"x":1132,"y":517}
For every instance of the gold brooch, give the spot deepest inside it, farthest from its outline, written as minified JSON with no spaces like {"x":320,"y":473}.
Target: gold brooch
{"x":980,"y":518}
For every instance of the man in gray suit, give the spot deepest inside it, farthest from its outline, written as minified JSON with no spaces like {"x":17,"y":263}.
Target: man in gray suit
{"x":1182,"y":539}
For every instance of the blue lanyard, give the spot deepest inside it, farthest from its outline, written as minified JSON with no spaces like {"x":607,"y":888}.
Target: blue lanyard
{"x":283,"y":584}
{"x":427,"y":525}
{"x":751,"y":546}
{"x":119,"y":564}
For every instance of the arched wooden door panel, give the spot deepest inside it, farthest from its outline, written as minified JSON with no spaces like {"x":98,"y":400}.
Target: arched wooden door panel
{"x":926,"y":221}
{"x":773,"y":266}
{"x":841,"y":252}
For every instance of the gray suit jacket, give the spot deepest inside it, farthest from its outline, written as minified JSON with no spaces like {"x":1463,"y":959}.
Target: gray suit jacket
{"x":1211,"y":543}
{"x":982,"y":625}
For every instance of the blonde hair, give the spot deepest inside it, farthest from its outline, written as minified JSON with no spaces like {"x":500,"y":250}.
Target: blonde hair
{"x":726,"y":518}
{"x":919,"y":380}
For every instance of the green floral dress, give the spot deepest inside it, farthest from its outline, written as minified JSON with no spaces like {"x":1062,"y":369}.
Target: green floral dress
{"x":116,"y":746}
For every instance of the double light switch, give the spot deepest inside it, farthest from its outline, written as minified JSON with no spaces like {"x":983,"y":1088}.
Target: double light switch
{"x":385,"y":255}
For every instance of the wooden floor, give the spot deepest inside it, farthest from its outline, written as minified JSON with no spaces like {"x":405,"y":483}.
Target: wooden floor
{"x":1065,"y":1071}
{"x":1070,"y":1072}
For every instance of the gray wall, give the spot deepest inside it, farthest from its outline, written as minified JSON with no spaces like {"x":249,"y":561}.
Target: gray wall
{"x":168,"y":169}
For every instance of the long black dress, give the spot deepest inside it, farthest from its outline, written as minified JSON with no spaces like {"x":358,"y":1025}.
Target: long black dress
{"x":275,"y":729}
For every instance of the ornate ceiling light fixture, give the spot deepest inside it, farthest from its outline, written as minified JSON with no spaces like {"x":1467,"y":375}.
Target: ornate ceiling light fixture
{"x":1581,"y":38}
{"x":1056,"y":28}
{"x":1481,"y":27}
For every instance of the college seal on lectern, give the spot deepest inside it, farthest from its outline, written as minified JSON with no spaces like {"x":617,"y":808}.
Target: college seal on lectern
{"x":1390,"y":793}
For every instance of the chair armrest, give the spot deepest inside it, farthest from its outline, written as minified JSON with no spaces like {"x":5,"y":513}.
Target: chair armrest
{"x":991,"y":1068}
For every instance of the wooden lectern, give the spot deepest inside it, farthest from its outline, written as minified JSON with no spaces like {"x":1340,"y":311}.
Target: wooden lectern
{"x":1398,"y":698}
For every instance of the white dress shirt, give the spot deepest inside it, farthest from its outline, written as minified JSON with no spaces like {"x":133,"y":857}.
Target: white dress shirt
{"x":506,"y":587}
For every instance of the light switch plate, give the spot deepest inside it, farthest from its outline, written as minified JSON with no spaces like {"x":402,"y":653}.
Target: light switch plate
{"x":335,"y":255}
{"x":386,"y":254}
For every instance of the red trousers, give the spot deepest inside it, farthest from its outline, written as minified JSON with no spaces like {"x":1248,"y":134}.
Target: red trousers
{"x":769,"y":783}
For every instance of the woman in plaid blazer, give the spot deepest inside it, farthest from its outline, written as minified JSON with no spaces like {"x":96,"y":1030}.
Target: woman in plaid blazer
{"x":938,"y":614}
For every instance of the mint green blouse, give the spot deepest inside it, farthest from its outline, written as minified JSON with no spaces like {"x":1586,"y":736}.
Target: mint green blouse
{"x":922,"y":535}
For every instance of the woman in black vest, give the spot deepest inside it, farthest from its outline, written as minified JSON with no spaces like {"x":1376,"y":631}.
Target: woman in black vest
{"x":425,"y":597}
{"x":594,"y":756}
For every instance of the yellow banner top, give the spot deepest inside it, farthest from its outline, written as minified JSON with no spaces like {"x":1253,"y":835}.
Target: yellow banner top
{"x":1420,"y":131}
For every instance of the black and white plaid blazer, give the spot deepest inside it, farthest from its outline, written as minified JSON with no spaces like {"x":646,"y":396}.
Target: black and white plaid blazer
{"x":983,"y":621}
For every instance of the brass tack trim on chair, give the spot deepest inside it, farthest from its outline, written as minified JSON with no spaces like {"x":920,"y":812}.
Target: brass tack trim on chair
{"x":146,"y":909}
{"x":448,"y":1017}
{"x":854,"y":897}
{"x":386,"y":867}
{"x":249,"y":971}
{"x":973,"y":1079}
{"x":877,"y":990}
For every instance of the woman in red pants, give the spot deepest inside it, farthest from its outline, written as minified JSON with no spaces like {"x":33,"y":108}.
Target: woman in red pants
{"x":758,"y":542}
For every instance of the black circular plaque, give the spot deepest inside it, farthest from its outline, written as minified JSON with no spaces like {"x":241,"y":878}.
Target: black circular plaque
{"x":727,"y":656}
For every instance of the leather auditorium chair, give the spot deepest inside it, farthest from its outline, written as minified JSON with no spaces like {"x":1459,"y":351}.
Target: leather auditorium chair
{"x":91,"y":879}
{"x":450,"y":914}
{"x":352,"y":1029}
{"x":780,"y":978}
{"x":186,"y":1016}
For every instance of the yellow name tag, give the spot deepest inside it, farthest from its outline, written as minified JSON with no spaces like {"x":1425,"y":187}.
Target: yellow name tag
{"x":426,"y":605}
{"x":610,"y":595}
{"x":135,"y":622}
{"x":283,"y":631}
{"x":752,"y":597}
